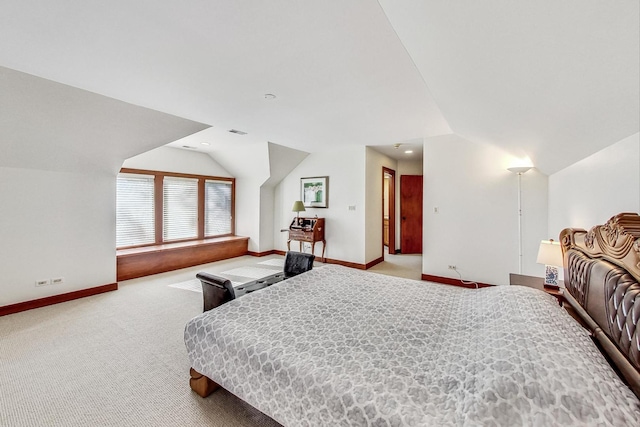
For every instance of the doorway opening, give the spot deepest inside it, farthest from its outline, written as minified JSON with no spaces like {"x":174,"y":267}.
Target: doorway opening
{"x":388,"y":211}
{"x":396,"y":263}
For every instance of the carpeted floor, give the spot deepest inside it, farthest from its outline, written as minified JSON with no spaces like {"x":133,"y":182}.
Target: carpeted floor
{"x":115,"y":359}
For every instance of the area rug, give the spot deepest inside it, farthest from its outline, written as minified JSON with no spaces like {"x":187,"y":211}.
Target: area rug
{"x":238,"y":275}
{"x":276,"y":262}
{"x":193,"y":285}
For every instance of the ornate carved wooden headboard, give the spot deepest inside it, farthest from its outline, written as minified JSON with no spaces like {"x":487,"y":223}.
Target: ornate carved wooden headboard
{"x":602,"y":271}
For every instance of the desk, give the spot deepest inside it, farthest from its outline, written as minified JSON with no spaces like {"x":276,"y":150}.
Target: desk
{"x":307,"y":230}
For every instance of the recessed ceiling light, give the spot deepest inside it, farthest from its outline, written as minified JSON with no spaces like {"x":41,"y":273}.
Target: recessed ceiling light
{"x":408,"y":151}
{"x":205,"y":143}
{"x":269,"y":96}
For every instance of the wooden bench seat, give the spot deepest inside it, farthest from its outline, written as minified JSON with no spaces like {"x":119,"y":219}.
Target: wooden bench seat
{"x":147,"y":260}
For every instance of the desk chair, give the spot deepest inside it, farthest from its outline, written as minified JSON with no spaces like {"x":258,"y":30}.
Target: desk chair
{"x":296,"y":263}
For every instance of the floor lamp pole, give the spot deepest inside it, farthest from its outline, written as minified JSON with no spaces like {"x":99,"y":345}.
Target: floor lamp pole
{"x":520,"y":223}
{"x":520,"y":171}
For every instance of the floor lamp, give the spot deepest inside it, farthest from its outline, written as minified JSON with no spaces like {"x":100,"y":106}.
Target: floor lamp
{"x":519,"y":170}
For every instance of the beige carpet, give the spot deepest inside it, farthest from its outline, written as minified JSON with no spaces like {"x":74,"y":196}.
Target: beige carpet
{"x":116,"y":359}
{"x":408,"y":266}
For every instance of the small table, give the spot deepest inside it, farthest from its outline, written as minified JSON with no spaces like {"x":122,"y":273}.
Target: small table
{"x":538,"y":283}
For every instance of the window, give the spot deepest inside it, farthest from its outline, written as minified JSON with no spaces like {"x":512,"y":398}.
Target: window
{"x":135,"y":217}
{"x":160,"y":207}
{"x":180,"y":209}
{"x":217,"y":195}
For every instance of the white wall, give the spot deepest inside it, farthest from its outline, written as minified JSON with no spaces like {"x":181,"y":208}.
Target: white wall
{"x":248,"y":210}
{"x":535,"y":207}
{"x":60,"y":150}
{"x":282,"y":214}
{"x":375,"y":161}
{"x":593,"y":190}
{"x":476,"y":227}
{"x":168,"y":159}
{"x":345,"y":229}
{"x":409,"y":167}
{"x":55,"y":224}
{"x":282,"y":160}
{"x":267,"y":218}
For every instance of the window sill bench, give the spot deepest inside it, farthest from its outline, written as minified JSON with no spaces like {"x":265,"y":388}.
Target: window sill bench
{"x":139,"y":262}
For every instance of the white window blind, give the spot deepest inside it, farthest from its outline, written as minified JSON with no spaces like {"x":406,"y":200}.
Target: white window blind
{"x":135,"y":219}
{"x":217,"y":211}
{"x":180,"y":210}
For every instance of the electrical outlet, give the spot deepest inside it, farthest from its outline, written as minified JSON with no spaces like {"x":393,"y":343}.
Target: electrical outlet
{"x":57,"y":280}
{"x":452,"y":267}
{"x":43,"y":282}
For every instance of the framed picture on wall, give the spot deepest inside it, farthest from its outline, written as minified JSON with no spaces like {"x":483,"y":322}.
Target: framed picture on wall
{"x":314,"y":192}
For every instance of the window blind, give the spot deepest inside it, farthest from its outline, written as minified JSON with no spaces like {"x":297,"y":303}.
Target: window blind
{"x":217,"y":196}
{"x":180,"y":210}
{"x":135,"y":216}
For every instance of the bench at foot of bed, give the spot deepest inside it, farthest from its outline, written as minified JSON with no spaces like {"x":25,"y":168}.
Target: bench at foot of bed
{"x":201,"y":384}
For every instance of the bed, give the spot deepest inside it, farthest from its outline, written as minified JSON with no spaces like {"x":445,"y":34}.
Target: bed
{"x":338,"y":346}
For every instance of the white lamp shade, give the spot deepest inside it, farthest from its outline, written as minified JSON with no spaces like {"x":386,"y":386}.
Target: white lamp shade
{"x":519,"y":169}
{"x":550,"y":253}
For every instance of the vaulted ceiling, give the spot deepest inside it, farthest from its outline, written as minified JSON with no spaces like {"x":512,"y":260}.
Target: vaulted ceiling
{"x":553,"y":80}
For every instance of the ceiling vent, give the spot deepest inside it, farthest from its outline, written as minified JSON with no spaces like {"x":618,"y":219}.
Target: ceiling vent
{"x":189,"y":147}
{"x":236,"y":131}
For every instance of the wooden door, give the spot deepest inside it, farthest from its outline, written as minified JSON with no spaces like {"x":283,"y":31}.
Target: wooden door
{"x":411,"y":214}
{"x":389,"y":226}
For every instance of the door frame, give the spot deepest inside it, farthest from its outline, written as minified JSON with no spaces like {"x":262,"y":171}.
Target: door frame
{"x":392,"y":209}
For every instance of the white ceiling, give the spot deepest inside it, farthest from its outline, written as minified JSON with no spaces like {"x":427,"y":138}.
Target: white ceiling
{"x":554,"y":80}
{"x":50,"y":126}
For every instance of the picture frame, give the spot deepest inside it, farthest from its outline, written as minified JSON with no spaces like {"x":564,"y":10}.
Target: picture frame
{"x":314,"y":191}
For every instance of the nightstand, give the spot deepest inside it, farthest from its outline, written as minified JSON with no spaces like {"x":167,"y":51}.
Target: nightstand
{"x":538,"y":283}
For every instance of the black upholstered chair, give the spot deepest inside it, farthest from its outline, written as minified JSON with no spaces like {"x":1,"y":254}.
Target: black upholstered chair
{"x":296,"y":263}
{"x":216,"y":290}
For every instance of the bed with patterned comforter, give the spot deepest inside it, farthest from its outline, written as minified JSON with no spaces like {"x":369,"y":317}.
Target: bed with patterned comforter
{"x":338,"y":346}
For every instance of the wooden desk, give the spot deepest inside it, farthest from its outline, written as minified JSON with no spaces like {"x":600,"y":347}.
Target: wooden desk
{"x":307,"y":230}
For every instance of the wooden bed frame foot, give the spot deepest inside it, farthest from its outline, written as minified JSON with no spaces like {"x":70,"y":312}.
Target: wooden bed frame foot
{"x":201,"y":384}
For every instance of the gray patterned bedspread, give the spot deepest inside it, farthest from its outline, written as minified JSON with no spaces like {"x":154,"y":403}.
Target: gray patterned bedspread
{"x":342,"y":347}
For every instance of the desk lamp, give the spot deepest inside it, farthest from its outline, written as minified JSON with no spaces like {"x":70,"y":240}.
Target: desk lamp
{"x":298,"y":207}
{"x":550,"y":254}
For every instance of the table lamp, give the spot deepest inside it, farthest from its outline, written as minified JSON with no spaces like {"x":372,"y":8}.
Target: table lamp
{"x":298,"y":207}
{"x":550,"y":254}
